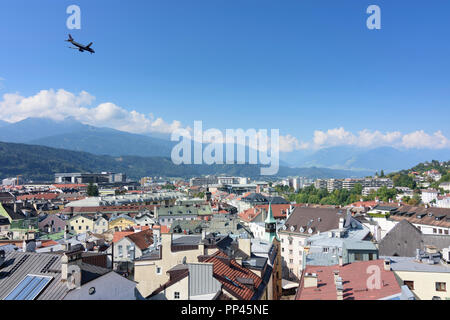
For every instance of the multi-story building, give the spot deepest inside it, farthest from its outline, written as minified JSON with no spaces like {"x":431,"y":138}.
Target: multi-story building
{"x":302,"y":223}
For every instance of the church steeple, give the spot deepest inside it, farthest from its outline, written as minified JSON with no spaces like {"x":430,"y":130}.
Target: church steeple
{"x":271,"y":225}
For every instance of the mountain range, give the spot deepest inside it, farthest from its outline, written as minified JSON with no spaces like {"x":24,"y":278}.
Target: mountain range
{"x":40,"y":163}
{"x":70,"y":134}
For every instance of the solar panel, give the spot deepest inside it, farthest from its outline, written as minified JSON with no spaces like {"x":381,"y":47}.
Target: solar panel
{"x":29,"y":288}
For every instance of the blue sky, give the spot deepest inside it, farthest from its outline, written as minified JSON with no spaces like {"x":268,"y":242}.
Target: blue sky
{"x":299,"y":66}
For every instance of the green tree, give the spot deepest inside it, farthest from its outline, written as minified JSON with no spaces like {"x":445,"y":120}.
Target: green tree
{"x":92,"y":190}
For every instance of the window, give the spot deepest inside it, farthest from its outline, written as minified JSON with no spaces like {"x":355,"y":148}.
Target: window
{"x":71,"y":228}
{"x":409,"y":284}
{"x":79,"y":227}
{"x":445,"y":231}
{"x":291,"y":261}
{"x":440,"y":231}
{"x":282,"y":249}
{"x":290,"y":241}
{"x":87,"y":227}
{"x":325,"y":250}
{"x":434,"y":230}
{"x":120,"y":250}
{"x":358,"y":257}
{"x":176,"y":295}
{"x":282,"y":240}
{"x":441,"y":286}
{"x":158,"y":270}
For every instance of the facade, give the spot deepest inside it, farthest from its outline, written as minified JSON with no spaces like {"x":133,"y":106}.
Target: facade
{"x":301,"y":224}
{"x":427,"y":279}
{"x":80,"y":224}
{"x":121,"y":222}
{"x":101,"y":225}
{"x":192,"y":281}
{"x":52,"y":224}
{"x":429,"y":195}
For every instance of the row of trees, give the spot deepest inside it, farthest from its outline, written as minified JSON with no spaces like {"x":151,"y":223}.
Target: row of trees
{"x":340,"y":196}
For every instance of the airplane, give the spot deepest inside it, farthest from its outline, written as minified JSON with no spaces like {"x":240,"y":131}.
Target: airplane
{"x":80,"y":47}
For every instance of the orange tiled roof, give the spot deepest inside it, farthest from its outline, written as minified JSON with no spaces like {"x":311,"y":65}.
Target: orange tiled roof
{"x":229,"y":274}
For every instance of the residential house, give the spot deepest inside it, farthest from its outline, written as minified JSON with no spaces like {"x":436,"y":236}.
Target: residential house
{"x":23,"y":220}
{"x":130,"y":247}
{"x":354,"y":281}
{"x":150,"y":270}
{"x":340,"y":246}
{"x":425,"y":275}
{"x":429,"y":195}
{"x":238,"y":282}
{"x":49,"y":276}
{"x":80,"y":224}
{"x":52,"y":223}
{"x":191,"y":281}
{"x":101,"y":224}
{"x":404,"y":239}
{"x":303,"y":223}
{"x":121,"y":222}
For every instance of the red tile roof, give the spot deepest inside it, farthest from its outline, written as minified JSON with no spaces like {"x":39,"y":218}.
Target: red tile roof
{"x":229,"y":274}
{"x":354,"y":280}
{"x":69,"y":185}
{"x":38,"y":196}
{"x":143,"y":239}
{"x":118,"y":235}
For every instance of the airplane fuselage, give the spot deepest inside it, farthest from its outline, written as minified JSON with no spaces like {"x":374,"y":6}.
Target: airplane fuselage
{"x":81,"y":47}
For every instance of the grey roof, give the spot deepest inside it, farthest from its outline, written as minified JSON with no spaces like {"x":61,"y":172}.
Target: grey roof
{"x":405,"y":238}
{"x":186,"y":240}
{"x":201,"y":280}
{"x":319,"y":219}
{"x":410,"y":264}
{"x":18,"y":264}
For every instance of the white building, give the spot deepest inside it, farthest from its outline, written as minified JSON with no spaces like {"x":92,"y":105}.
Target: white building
{"x":429,"y":195}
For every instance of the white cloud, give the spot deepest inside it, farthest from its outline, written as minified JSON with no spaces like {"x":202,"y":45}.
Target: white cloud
{"x":420,"y":139}
{"x":367,"y":138}
{"x":60,"y":104}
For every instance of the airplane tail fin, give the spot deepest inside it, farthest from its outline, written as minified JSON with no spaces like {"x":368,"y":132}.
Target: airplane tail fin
{"x":89,"y":45}
{"x":70,"y":38}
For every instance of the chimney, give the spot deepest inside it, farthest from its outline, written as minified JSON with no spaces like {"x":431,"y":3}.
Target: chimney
{"x":245,"y":245}
{"x":387,"y":264}
{"x":310,"y":280}
{"x":341,"y":223}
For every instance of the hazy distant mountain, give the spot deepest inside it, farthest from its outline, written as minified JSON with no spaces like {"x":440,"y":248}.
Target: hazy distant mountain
{"x":35,"y":128}
{"x":386,"y":158}
{"x":104,"y":141}
{"x":40,"y":163}
{"x":3,"y":123}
